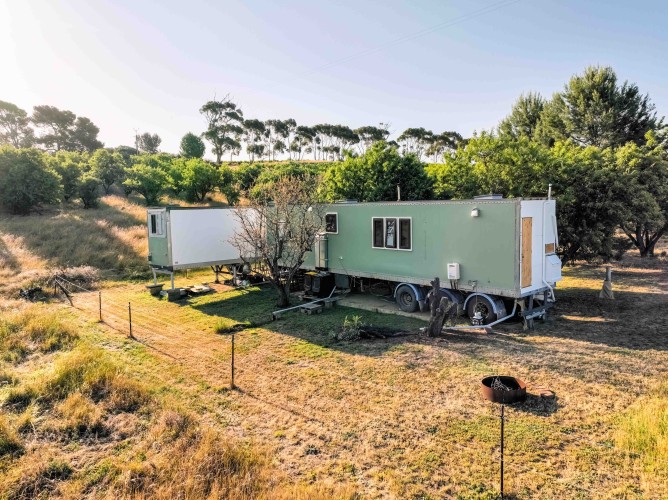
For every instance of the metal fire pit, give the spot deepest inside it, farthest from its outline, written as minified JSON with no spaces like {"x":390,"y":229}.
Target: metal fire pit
{"x":502,"y":389}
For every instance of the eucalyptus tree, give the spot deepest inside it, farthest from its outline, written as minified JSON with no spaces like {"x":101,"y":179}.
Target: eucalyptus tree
{"x":322,"y":139}
{"x":415,"y":141}
{"x":254,"y":132}
{"x":291,"y":129}
{"x":224,"y":126}
{"x":343,"y":139}
{"x":275,"y":131}
{"x":369,"y":135}
{"x":15,"y":127}
{"x":442,"y":143}
{"x":303,"y":140}
{"x":147,"y":143}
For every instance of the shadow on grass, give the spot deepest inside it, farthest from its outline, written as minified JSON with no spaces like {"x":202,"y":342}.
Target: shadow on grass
{"x":255,"y":305}
{"x":537,"y":405}
{"x":633,"y":320}
{"x":7,"y":259}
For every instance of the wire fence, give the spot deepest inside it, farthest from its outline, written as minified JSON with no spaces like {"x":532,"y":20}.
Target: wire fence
{"x":143,"y":324}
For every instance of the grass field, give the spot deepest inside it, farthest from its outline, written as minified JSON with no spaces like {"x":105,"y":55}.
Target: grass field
{"x":314,"y":417}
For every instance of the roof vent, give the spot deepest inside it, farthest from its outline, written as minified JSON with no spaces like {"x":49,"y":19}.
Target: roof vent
{"x":489,"y":197}
{"x":345,"y":202}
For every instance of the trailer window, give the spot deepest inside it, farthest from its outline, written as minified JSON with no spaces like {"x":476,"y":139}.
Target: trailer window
{"x":378,"y":233}
{"x":405,"y":234}
{"x":331,"y":223}
{"x":390,"y":233}
{"x":155,"y":224}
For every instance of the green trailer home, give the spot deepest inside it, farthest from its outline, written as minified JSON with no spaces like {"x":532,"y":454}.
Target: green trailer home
{"x":490,"y":253}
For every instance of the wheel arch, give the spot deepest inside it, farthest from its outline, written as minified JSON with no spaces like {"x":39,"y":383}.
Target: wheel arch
{"x":497,"y":304}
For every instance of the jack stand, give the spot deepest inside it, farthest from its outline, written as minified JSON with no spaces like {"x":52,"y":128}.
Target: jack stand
{"x":606,"y":292}
{"x":217,"y":270}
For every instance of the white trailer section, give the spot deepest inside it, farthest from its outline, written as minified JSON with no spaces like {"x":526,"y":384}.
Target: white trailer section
{"x":187,"y":238}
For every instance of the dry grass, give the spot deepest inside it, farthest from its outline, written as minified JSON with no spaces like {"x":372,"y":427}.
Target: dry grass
{"x":9,"y":439}
{"x":33,"y":328}
{"x":393,"y":418}
{"x":403,"y":417}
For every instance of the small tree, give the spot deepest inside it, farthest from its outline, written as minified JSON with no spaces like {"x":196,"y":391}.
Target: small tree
{"x":26,"y":181}
{"x":375,"y":175}
{"x":107,"y":166}
{"x":147,"y":181}
{"x":70,"y":166}
{"x":89,"y":191}
{"x":226,"y":185}
{"x":199,"y":179}
{"x":148,"y":143}
{"x":279,"y":233}
{"x":192,"y":146}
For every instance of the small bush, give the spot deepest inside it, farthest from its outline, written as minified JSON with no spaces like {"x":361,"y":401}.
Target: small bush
{"x":18,"y":399}
{"x":7,"y":378}
{"x":89,"y":191}
{"x":78,"y":415}
{"x":27,"y":181}
{"x":96,"y":376}
{"x":10,"y":444}
{"x":49,"y":332}
{"x":351,"y":330}
{"x":33,"y":329}
{"x":36,"y":477}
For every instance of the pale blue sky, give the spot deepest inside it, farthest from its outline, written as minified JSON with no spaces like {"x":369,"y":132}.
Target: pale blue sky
{"x":150,"y":65}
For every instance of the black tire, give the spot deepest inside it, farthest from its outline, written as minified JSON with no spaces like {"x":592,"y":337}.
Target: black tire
{"x":406,"y":299}
{"x":484,"y":306}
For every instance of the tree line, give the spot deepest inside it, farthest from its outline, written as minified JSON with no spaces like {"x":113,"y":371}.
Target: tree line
{"x":598,"y":142}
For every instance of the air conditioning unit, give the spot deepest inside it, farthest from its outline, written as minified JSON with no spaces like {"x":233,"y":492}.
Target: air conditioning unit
{"x":453,"y":271}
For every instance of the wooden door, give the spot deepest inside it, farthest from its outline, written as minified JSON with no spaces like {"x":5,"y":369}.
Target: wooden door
{"x":527,"y":244}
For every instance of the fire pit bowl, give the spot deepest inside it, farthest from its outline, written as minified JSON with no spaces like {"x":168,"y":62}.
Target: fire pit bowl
{"x":502,"y":389}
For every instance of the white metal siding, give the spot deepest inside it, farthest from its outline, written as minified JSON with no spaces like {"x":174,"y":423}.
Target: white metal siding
{"x":202,"y":236}
{"x":534,"y":209}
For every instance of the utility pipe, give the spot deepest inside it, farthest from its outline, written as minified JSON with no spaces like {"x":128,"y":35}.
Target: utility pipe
{"x":273,"y":314}
{"x":482,"y":327}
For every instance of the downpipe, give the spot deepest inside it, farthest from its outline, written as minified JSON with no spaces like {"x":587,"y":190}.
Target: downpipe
{"x":543,"y":251}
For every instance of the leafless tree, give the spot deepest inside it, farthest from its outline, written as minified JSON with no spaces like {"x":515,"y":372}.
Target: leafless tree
{"x":279,"y":227}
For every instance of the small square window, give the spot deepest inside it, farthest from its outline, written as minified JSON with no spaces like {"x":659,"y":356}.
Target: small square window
{"x":156,"y":224}
{"x":331,"y":223}
{"x":378,"y":233}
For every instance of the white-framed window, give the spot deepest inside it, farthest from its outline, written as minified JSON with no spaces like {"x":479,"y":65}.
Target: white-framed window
{"x":394,"y":233}
{"x":332,"y":223}
{"x":156,"y":223}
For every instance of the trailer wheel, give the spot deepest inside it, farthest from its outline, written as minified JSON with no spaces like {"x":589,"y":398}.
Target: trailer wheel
{"x":485,"y":307}
{"x":406,"y":299}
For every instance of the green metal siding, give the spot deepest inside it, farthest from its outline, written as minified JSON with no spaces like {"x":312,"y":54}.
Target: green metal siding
{"x":485,"y":247}
{"x":159,"y":251}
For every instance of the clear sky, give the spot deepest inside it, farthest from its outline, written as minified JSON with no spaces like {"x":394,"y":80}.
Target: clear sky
{"x":443,"y":65}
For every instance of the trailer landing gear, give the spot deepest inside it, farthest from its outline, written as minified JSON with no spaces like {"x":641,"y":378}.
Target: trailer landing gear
{"x":217,"y":270}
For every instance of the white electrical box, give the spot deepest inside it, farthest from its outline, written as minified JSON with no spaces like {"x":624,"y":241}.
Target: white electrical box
{"x":552,"y":268}
{"x":453,"y":271}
